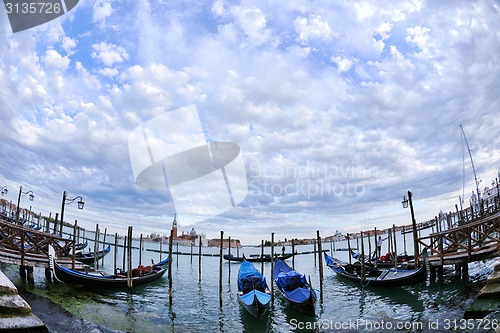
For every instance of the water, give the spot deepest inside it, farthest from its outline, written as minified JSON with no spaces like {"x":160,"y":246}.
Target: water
{"x":345,"y":307}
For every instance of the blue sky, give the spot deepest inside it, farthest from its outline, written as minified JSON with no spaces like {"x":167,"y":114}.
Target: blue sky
{"x":338,"y":109}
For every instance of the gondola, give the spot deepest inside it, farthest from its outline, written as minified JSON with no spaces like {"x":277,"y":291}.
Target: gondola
{"x":100,"y":279}
{"x":385,"y":261}
{"x":376,"y":277}
{"x":258,"y":258}
{"x":253,"y":292}
{"x":294,"y":287}
{"x":88,"y":258}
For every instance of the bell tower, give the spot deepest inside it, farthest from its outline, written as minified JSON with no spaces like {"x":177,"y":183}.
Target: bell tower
{"x":174,"y":226}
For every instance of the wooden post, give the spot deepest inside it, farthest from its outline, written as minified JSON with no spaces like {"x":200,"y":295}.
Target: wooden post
{"x":314,"y":241}
{"x":262,"y":257}
{"x":22,"y":245}
{"x":104,"y":245}
{"x":47,"y":223}
{"x":74,"y":246}
{"x":170,"y":257}
{"x":395,"y":246}
{"x":377,"y":254}
{"x":293,"y":252}
{"x":161,"y":250}
{"x":415,"y":237}
{"x":129,"y":260}
{"x":96,"y":245}
{"x":55,"y":223}
{"x":220,"y":267}
{"x":61,"y":227}
{"x":192,"y":253}
{"x":124,"y":268}
{"x":229,"y":265}
{"x":369,"y":248}
{"x":362,"y":277}
{"x":199,"y":262}
{"x":349,"y":248}
{"x":177,"y":254}
{"x":115,"y":253}
{"x":140,"y":250}
{"x":320,"y":254}
{"x":272,"y":268}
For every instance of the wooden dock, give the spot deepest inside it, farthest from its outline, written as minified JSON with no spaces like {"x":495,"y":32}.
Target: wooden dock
{"x":474,"y":238}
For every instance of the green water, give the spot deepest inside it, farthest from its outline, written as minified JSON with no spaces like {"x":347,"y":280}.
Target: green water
{"x":195,"y":308}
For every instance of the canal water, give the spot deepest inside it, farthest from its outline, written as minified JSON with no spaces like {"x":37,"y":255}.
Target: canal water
{"x":345,"y":306}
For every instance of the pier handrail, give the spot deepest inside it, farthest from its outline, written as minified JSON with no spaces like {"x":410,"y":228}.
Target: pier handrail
{"x":468,"y":237}
{"x":28,"y":241}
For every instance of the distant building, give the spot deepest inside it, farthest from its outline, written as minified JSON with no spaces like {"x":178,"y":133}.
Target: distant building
{"x":225,"y":243}
{"x":187,"y":239}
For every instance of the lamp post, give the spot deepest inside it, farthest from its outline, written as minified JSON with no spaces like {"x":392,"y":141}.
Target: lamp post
{"x":4,"y":190}
{"x":66,"y":201}
{"x":31,"y":196}
{"x":414,"y":223}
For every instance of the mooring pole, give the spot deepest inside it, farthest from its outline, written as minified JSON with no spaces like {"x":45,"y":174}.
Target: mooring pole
{"x":129,"y":260}
{"x":220,"y":267}
{"x":170,"y":257}
{"x":115,"y":253}
{"x":229,"y":265}
{"x":320,"y":254}
{"x":96,"y":245}
{"x":415,"y":237}
{"x":362,"y":277}
{"x":199,"y":262}
{"x":262,"y":256}
{"x":161,"y":250}
{"x":349,"y":248}
{"x":74,"y":246}
{"x":124,"y":252}
{"x":272,"y":268}
{"x":314,"y":241}
{"x":140,"y":250}
{"x":293,"y":256}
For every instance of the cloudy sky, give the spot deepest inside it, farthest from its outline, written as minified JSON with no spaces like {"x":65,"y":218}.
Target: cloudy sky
{"x":338,"y":109}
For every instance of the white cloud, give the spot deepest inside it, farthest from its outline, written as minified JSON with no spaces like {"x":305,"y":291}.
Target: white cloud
{"x":102,"y":9}
{"x":109,"y":53}
{"x":312,"y":28}
{"x":54,"y":61}
{"x":253,"y":23}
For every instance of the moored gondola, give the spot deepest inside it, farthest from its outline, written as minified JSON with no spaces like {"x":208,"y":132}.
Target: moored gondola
{"x":294,"y":287}
{"x":258,"y":258}
{"x":100,"y":279}
{"x":376,"y":277}
{"x":253,"y":292}
{"x":88,"y":258}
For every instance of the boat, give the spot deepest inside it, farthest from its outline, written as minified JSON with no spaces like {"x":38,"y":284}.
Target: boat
{"x":88,"y":258}
{"x":253,"y":292}
{"x":258,"y":258}
{"x":376,"y":277}
{"x":100,"y":279}
{"x":294,"y":287}
{"x":384,"y":261}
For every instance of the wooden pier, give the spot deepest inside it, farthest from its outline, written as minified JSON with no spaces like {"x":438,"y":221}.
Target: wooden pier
{"x":473,"y":237}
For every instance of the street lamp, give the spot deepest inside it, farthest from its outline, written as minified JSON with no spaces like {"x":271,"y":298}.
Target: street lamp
{"x":414,"y":223}
{"x":4,"y":190}
{"x":66,"y":201}
{"x":21,"y":193}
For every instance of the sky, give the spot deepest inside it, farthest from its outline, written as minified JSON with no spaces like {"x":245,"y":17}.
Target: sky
{"x":336,"y":109}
